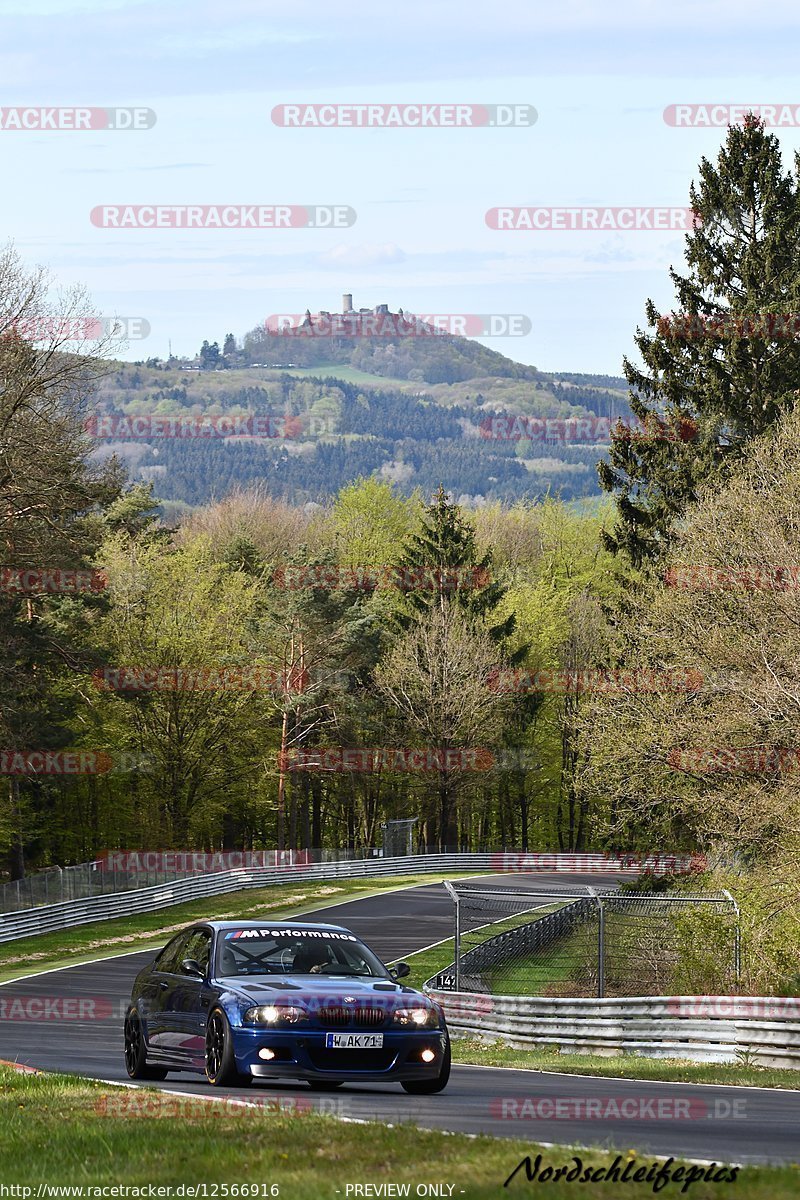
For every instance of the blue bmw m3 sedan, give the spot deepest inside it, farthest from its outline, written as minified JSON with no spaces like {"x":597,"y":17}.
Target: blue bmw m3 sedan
{"x":241,"y":1001}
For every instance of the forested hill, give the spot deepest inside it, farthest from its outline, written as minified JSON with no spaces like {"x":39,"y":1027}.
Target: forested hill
{"x":314,"y":427}
{"x":419,"y":353}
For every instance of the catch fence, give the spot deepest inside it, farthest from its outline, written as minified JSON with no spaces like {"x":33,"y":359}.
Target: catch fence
{"x":586,"y":941}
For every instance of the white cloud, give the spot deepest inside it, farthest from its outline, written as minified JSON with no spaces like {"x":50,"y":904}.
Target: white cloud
{"x":364,"y":255}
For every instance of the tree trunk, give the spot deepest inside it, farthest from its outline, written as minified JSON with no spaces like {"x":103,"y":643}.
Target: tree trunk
{"x":16,"y":854}
{"x":316,"y":813}
{"x":282,"y":780}
{"x":444,"y":812}
{"x":522,"y":796}
{"x":305,"y":821}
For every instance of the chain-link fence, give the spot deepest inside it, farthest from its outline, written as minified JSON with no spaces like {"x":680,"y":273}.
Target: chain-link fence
{"x":147,"y":869}
{"x":592,"y":942}
{"x":127,"y":871}
{"x":398,"y":837}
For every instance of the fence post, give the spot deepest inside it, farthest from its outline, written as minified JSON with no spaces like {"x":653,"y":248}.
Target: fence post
{"x":737,"y":939}
{"x":601,"y":943}
{"x":601,"y":960}
{"x":456,"y":933}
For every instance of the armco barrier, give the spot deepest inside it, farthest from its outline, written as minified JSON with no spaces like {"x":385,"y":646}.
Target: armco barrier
{"x":117,"y":904}
{"x":700,"y":1028}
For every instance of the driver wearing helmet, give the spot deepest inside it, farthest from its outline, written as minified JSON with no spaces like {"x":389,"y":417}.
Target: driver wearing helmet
{"x":312,"y":959}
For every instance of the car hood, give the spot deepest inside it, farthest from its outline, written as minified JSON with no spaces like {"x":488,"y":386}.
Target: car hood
{"x":269,"y":989}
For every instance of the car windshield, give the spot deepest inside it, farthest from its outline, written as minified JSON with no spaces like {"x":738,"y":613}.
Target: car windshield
{"x":289,"y":952}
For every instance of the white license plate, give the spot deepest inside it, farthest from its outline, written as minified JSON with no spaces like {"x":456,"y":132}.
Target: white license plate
{"x":353,"y":1041}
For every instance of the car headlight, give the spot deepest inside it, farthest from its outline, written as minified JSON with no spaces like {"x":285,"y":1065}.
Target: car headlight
{"x":417,"y":1018}
{"x":275,"y":1014}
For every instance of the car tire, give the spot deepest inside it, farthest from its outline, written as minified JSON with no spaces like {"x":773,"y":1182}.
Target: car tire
{"x":221,"y":1069}
{"x":427,"y":1087}
{"x":324,"y":1085}
{"x":136,"y":1063}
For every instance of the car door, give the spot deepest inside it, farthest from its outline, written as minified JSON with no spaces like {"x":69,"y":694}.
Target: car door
{"x":186,"y":1000}
{"x":155,"y":994}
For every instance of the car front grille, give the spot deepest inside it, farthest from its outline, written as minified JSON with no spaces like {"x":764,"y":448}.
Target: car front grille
{"x":351,"y":1060}
{"x":357,"y":1018}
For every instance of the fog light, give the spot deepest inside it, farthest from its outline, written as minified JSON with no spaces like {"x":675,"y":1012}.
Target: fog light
{"x":266,"y":1053}
{"x":428,"y":1055}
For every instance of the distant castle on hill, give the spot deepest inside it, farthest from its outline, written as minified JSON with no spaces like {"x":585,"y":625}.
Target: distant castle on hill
{"x":348,"y":310}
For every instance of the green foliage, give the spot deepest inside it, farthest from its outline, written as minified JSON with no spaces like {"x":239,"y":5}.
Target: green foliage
{"x":709,"y":384}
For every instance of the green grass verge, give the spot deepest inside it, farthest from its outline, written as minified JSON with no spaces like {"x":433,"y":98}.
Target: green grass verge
{"x":622,"y":1066}
{"x":143,"y":930}
{"x":60,"y":1130}
{"x":427,"y":963}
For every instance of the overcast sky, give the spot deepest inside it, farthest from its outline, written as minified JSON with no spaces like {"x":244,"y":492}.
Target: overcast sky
{"x":599,"y":77}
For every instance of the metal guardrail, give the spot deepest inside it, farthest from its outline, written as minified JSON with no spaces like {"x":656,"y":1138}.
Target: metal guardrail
{"x":45,"y":919}
{"x":134,"y":870}
{"x":120,"y":871}
{"x":703,"y":1029}
{"x":48,"y":918}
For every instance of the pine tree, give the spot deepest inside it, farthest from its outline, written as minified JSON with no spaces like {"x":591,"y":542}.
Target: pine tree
{"x":712,"y":379}
{"x":209,"y":355}
{"x":440,"y":566}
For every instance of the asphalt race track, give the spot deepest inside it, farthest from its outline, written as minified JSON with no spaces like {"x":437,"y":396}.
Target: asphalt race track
{"x":723,"y":1124}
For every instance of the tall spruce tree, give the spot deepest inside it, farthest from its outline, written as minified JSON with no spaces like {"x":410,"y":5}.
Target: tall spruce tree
{"x":712,"y":379}
{"x":441,"y":565}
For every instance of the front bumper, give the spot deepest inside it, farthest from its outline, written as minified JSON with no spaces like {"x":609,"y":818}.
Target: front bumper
{"x":302,"y":1054}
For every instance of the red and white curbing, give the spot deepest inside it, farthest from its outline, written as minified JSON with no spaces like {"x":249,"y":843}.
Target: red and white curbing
{"x":20,"y":1068}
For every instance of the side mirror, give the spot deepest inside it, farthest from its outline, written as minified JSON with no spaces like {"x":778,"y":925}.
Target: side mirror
{"x":400,"y":970}
{"x":192,"y":967}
